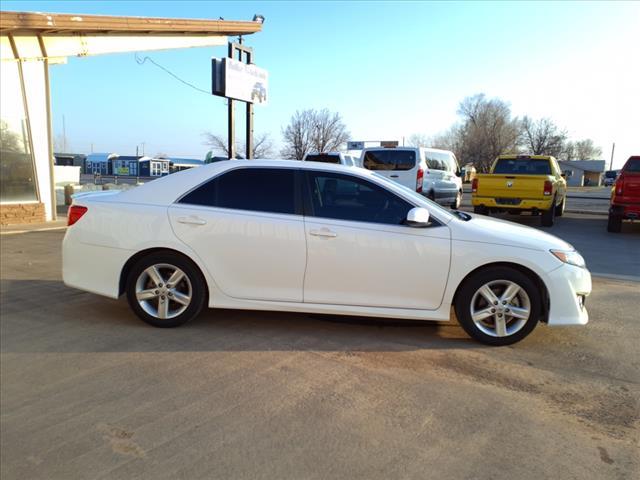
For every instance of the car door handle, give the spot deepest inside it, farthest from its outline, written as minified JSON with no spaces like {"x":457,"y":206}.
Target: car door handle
{"x":192,"y":220}
{"x":393,"y":176}
{"x":324,"y":232}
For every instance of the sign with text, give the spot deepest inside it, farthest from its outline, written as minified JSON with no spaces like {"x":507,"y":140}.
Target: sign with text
{"x":389,"y":143}
{"x":354,"y":145}
{"x":240,"y":81}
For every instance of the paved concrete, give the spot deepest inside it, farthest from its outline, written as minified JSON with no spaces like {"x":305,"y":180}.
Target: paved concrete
{"x":89,"y":391}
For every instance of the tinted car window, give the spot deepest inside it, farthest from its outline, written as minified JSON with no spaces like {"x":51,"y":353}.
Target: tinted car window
{"x":523,"y":166}
{"x":257,"y":189}
{"x":323,"y":158}
{"x":345,"y":197}
{"x":633,"y":165}
{"x":388,"y":159}
{"x":435,"y":163}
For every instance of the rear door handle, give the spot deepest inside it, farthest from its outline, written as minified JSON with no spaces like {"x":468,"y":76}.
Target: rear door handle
{"x":393,"y":176}
{"x":192,"y":220}
{"x":323,"y":232}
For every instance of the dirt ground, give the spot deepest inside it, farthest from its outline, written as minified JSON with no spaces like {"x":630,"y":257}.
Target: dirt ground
{"x":89,"y":391}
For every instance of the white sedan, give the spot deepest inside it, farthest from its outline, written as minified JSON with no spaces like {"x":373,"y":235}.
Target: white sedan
{"x":321,"y":238}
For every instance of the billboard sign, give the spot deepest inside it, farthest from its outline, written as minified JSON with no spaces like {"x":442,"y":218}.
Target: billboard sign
{"x":239,"y":81}
{"x":353,"y":145}
{"x":389,"y":143}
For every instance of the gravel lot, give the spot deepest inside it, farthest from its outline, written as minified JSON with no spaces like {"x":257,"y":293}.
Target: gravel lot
{"x":89,"y":391}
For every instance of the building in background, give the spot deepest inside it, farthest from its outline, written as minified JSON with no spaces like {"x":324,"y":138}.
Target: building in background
{"x":583,"y":173}
{"x":31,"y":42}
{"x":177,"y":164}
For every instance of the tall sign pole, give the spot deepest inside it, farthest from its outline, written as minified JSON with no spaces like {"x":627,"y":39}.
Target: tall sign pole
{"x":231,"y":121}
{"x":613,"y":149}
{"x":239,"y":80}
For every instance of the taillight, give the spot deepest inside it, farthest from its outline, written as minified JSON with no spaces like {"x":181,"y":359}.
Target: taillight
{"x":419,"y":180}
{"x":548,"y":188}
{"x":75,"y":213}
{"x":619,"y":185}
{"x":474,"y":185}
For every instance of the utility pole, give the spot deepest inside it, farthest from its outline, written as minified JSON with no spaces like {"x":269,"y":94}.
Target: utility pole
{"x":143,"y":148}
{"x":137,"y":151}
{"x":613,"y":148}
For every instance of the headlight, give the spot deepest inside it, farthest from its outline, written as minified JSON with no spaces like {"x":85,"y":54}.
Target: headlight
{"x":569,"y":256}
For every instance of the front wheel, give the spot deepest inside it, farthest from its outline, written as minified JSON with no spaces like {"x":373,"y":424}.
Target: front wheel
{"x":498,"y":306}
{"x":166,"y":289}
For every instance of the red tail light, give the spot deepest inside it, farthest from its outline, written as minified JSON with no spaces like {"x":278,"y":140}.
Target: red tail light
{"x":75,"y":213}
{"x":548,"y":188}
{"x":419,"y":180}
{"x":619,"y":185}
{"x":474,"y":185}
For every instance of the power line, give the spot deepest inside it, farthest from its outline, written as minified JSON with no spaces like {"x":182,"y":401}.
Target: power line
{"x":142,"y":60}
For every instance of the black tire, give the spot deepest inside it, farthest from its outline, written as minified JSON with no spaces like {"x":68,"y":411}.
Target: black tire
{"x":560,"y":208}
{"x":198,"y":289}
{"x":548,"y":216}
{"x":614,"y":225}
{"x":431,"y":196}
{"x":468,"y":289}
{"x":457,"y":202}
{"x":481,"y":210}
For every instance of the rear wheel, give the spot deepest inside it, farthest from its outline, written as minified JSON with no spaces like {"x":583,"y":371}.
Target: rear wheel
{"x":481,"y":210}
{"x":547,"y":217}
{"x":166,"y":289}
{"x":614,"y":224}
{"x":498,"y":306}
{"x":560,"y":208}
{"x":458,"y":201}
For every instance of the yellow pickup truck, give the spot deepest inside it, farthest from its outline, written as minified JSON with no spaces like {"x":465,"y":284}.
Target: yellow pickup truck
{"x":521,"y":183}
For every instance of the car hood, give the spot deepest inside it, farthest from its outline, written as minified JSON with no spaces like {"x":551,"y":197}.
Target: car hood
{"x":482,"y":229}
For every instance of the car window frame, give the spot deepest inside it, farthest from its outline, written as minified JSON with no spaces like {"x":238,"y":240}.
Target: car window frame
{"x":297,"y":194}
{"x":308,"y":209}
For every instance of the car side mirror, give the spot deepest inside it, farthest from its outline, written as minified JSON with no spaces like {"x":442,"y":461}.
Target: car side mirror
{"x":418,"y":217}
{"x":458,"y":173}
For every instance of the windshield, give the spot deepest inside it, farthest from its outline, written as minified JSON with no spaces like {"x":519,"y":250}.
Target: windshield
{"x":388,"y":159}
{"x":610,"y":174}
{"x":323,"y":158}
{"x":522,"y":166}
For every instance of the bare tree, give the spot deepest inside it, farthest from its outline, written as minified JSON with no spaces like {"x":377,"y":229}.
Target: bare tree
{"x":418,"y":140}
{"x":568,"y":151}
{"x":313,"y":130}
{"x":586,"y":150}
{"x":542,"y":137}
{"x":487,"y":130}
{"x":262,"y":145}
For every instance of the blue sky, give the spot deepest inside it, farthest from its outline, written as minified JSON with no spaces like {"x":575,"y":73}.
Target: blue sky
{"x":390,"y":68}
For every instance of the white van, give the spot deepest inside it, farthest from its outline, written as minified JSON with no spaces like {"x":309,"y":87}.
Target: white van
{"x":331,"y":157}
{"x":432,"y":172}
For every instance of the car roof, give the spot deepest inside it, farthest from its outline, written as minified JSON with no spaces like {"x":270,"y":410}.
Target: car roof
{"x":165,"y":190}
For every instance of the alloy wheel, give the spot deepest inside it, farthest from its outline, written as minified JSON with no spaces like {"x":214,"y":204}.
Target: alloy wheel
{"x":500,"y":308}
{"x":163,"y":291}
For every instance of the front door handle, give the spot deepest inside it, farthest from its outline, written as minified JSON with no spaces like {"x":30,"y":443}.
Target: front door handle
{"x":393,"y":176}
{"x":192,"y":220}
{"x":323,"y":232}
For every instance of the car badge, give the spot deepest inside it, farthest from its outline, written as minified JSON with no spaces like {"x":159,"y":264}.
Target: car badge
{"x":509,"y":184}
